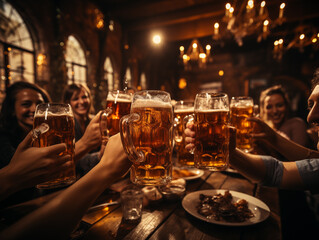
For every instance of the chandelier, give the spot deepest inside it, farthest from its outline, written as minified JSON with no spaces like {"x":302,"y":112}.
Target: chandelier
{"x":247,"y":19}
{"x":195,"y":57}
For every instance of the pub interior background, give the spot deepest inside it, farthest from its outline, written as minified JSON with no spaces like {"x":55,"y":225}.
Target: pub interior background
{"x":107,"y":45}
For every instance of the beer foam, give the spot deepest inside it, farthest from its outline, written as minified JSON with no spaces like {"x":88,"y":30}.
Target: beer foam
{"x":211,"y":110}
{"x":139,"y":103}
{"x":46,"y":113}
{"x":183,"y":110}
{"x":110,"y":97}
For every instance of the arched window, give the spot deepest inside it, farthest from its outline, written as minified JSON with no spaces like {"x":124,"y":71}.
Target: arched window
{"x":75,"y":62}
{"x":143,"y":81}
{"x":109,"y":74}
{"x":17,"y":56}
{"x":128,"y":78}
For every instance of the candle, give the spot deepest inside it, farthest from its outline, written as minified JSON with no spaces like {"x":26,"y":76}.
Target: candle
{"x":281,"y":10}
{"x":265,"y":28}
{"x":216,"y":28}
{"x":262,"y":7}
{"x":208,"y":47}
{"x":227,"y":7}
{"x":231,"y":10}
{"x":250,"y":5}
{"x":181,"y":49}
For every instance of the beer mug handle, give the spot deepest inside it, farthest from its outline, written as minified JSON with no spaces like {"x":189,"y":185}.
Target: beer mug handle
{"x":126,"y":136}
{"x":103,"y":124}
{"x":187,"y":119}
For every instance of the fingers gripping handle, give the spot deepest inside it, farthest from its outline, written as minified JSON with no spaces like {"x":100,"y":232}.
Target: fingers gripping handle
{"x":127,"y":139}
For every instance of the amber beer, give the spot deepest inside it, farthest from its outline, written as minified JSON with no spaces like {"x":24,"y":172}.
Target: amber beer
{"x":184,"y":157}
{"x":211,"y":139}
{"x":150,"y":128}
{"x":57,"y":127}
{"x":242,"y":108}
{"x":120,"y":107}
{"x":118,"y":104}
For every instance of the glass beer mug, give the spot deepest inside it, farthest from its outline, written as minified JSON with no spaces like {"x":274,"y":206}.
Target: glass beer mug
{"x":242,"y":108}
{"x":211,"y":119}
{"x":54,"y":123}
{"x":147,"y":137}
{"x":182,"y":109}
{"x":118,"y":104}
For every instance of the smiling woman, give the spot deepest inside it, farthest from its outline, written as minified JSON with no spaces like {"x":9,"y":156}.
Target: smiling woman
{"x":16,"y":117}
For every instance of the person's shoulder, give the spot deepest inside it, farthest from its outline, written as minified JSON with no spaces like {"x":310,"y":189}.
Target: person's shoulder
{"x":296,"y":121}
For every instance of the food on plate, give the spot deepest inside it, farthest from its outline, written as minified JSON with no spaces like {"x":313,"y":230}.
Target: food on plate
{"x":221,"y":207}
{"x":181,"y":173}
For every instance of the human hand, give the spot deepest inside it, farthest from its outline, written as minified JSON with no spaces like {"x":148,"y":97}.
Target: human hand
{"x":91,"y":138}
{"x":262,"y":131}
{"x":114,"y":158}
{"x":32,"y":165}
{"x":189,"y":136}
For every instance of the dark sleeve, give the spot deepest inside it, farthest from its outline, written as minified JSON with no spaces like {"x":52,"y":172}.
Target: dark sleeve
{"x":86,"y":163}
{"x":7,"y":150}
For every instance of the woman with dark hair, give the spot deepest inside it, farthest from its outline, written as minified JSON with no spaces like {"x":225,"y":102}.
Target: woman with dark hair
{"x":79,"y":97}
{"x":16,"y":116}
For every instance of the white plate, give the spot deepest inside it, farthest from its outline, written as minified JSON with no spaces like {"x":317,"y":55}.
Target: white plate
{"x":260,"y":210}
{"x":198,"y":173}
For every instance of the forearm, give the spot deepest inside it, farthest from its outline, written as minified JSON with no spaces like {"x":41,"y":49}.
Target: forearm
{"x":249,"y":165}
{"x":81,"y":148}
{"x":64,"y":211}
{"x":291,"y":150}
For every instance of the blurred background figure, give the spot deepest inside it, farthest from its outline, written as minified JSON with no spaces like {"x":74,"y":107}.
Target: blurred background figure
{"x":79,"y":97}
{"x":276,"y":112}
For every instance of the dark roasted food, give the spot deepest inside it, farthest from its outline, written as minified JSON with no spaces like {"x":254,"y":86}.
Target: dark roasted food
{"x":221,"y":207}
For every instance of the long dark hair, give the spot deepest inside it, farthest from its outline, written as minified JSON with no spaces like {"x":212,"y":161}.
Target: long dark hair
{"x":8,"y":120}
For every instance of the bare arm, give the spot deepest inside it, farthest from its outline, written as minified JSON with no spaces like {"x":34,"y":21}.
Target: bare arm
{"x":289,"y":149}
{"x":66,"y":210}
{"x":90,"y":140}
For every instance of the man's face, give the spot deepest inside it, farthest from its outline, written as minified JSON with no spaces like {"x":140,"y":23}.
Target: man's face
{"x":313,"y":106}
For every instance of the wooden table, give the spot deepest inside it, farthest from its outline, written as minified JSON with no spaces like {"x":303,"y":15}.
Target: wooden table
{"x":168,"y":219}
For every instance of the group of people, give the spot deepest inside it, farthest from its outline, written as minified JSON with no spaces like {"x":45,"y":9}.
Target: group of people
{"x":23,"y":166}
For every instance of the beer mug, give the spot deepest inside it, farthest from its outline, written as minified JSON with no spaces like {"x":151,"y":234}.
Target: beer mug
{"x":211,"y":119}
{"x":242,"y":108}
{"x":147,"y":137}
{"x":118,"y":104}
{"x":53,"y":124}
{"x":181,"y":110}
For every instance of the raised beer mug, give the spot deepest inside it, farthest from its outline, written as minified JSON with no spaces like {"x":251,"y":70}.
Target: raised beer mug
{"x":54,"y":123}
{"x":211,"y":119}
{"x":181,"y":109}
{"x":118,"y":104}
{"x":147,"y":137}
{"x":242,"y":108}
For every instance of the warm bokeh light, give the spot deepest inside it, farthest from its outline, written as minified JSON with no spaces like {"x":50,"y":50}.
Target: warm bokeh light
{"x":181,"y":48}
{"x":202,"y":55}
{"x":250,"y":4}
{"x":194,"y":45}
{"x":157,"y":39}
{"x":221,"y":73}
{"x":280,"y":41}
{"x":208,"y":47}
{"x":227,"y":6}
{"x":282,"y":6}
{"x":266,"y":22}
{"x":40,"y":59}
{"x":263,"y":4}
{"x":314,"y":40}
{"x":302,"y":36}
{"x":182,"y":83}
